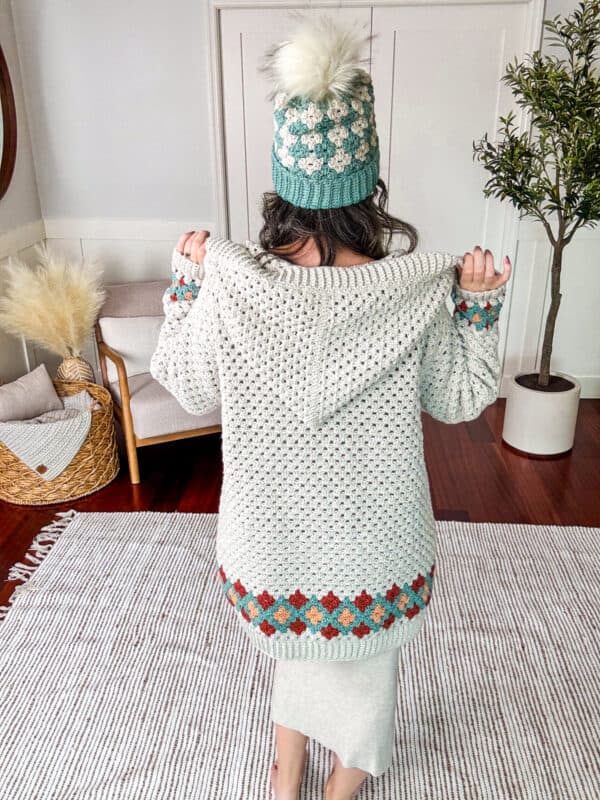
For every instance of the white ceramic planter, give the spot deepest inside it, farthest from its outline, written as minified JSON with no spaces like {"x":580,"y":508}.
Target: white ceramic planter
{"x":538,"y":422}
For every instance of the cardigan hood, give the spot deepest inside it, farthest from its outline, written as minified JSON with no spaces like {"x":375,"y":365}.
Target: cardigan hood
{"x":329,"y":357}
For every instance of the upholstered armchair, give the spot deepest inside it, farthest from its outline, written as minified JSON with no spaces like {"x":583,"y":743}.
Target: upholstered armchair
{"x":126,"y":333}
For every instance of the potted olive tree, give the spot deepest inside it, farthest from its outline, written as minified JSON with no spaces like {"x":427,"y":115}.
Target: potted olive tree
{"x":552,"y":174}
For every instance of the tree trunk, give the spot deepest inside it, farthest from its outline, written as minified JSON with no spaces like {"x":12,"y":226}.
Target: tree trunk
{"x":555,"y":295}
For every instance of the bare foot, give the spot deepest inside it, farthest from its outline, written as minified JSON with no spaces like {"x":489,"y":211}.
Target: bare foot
{"x":283,"y":794}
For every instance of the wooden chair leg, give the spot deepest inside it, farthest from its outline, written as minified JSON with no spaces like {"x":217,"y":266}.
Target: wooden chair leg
{"x":132,"y":455}
{"x":134,"y":469}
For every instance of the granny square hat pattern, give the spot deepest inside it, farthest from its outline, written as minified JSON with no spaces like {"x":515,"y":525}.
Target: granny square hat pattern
{"x":325,"y":151}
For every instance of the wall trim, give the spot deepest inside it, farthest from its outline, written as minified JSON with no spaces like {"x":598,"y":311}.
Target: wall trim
{"x":161,"y":230}
{"x":22,"y":237}
{"x":309,"y":5}
{"x":150,"y":230}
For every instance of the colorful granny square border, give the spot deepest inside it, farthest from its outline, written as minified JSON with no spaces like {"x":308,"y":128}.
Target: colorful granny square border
{"x":329,"y":615}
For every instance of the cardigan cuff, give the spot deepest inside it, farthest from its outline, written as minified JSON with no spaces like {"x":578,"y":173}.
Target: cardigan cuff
{"x":186,"y":279}
{"x":479,"y":310}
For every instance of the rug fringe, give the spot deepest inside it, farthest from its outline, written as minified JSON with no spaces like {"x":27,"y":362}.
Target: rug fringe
{"x":37,"y":551}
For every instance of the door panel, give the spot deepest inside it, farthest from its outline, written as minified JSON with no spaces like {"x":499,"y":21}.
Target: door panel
{"x":436,"y":74}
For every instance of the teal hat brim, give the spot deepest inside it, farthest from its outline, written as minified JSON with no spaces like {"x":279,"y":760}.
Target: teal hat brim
{"x":308,"y":192}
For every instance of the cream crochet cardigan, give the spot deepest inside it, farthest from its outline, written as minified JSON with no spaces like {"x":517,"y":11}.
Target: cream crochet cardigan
{"x":326,"y":542}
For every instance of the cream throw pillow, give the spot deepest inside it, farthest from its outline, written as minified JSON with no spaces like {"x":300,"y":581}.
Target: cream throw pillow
{"x":28,"y":396}
{"x":134,"y":338}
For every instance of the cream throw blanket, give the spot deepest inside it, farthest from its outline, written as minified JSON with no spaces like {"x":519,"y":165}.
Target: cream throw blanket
{"x":48,"y":443}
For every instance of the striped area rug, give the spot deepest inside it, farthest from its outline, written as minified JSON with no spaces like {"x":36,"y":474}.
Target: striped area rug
{"x":125,"y":676}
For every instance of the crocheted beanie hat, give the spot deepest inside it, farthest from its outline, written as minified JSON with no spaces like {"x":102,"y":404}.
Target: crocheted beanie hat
{"x":325,"y":151}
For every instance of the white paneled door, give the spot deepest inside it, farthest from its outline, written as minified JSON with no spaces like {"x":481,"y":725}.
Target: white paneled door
{"x":436,"y":72}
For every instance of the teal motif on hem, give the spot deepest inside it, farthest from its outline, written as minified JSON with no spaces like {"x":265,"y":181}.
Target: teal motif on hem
{"x":329,"y":615}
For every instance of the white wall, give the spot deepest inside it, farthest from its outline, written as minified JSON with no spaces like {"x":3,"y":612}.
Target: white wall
{"x":117,"y":95}
{"x":117,"y":98}
{"x":20,"y":215}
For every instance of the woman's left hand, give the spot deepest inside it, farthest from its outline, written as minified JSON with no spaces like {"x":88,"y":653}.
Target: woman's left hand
{"x":191,"y":245}
{"x":478,"y":273}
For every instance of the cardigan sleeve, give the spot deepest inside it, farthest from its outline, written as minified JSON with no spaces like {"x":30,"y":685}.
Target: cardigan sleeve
{"x":460,"y":367}
{"x":184,"y":361}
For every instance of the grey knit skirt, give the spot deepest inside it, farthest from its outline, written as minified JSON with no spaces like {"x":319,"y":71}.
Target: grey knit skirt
{"x":347,"y":706}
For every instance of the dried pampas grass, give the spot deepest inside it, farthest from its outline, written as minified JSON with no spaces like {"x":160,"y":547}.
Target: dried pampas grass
{"x":54,"y":304}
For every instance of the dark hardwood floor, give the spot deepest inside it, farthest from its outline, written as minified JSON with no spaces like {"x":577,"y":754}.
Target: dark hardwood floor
{"x":473,"y":475}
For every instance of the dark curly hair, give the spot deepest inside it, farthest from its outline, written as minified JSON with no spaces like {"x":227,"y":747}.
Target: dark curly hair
{"x":364,"y":227}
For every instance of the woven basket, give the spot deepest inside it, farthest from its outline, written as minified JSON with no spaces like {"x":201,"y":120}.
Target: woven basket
{"x":95,"y":465}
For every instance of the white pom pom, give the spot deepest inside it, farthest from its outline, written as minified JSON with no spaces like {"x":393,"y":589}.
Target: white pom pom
{"x":320,"y":60}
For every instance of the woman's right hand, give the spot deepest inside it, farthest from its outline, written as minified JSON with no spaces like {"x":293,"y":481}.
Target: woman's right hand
{"x":191,"y":245}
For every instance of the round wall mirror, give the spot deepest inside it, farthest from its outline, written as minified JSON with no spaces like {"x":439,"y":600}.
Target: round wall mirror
{"x":8,"y":127}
